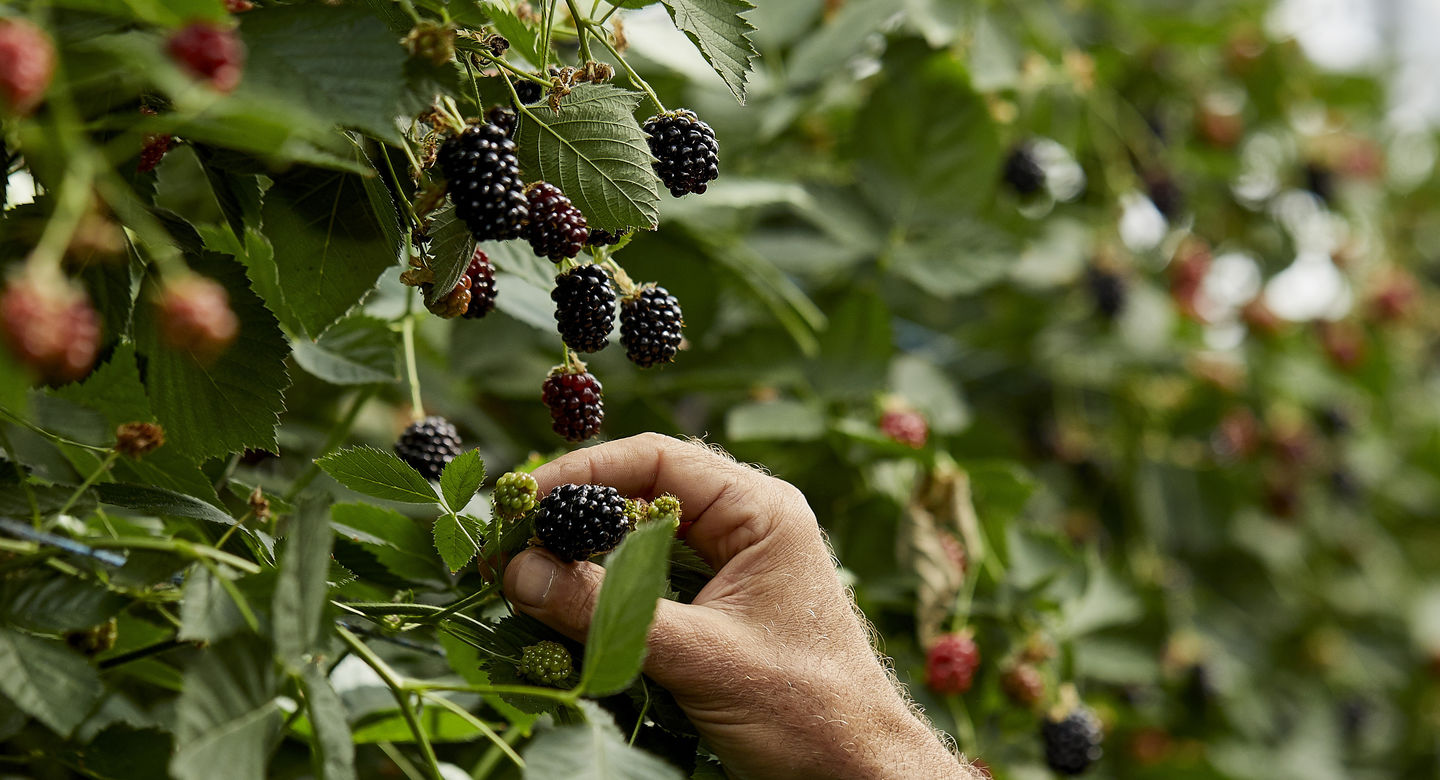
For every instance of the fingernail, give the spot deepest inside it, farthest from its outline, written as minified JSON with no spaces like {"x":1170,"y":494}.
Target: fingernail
{"x":532,"y":581}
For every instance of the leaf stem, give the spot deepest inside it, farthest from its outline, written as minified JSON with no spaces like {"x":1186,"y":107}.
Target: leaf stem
{"x":142,"y":652}
{"x":401,"y":693}
{"x":105,"y":464}
{"x":634,"y":77}
{"x":178,"y":546}
{"x":484,"y":727}
{"x":471,"y":600}
{"x":412,"y":374}
{"x":582,"y":30}
{"x":566,"y":697}
{"x":55,"y":437}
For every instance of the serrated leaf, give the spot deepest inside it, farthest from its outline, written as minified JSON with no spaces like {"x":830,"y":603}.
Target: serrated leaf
{"x":332,"y":730}
{"x":722,"y":35}
{"x":300,"y":593}
{"x":398,"y":542}
{"x":458,"y":538}
{"x":451,"y":247}
{"x":595,"y":152}
{"x":207,"y":612}
{"x":354,"y":351}
{"x":378,"y":474}
{"x":228,"y":404}
{"x":461,"y":478}
{"x":47,"y":680}
{"x":593,"y":750}
{"x":161,"y":502}
{"x":53,"y":603}
{"x":634,"y":582}
{"x":226,"y":713}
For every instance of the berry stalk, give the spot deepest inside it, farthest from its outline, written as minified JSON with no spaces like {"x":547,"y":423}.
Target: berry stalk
{"x":412,"y":373}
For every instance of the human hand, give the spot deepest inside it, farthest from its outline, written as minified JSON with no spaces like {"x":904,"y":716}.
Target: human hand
{"x":770,"y":661}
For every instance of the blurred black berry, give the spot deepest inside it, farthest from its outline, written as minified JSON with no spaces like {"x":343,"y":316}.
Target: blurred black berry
{"x":428,"y":445}
{"x":1023,"y":172}
{"x":1107,"y":290}
{"x":1072,"y":744}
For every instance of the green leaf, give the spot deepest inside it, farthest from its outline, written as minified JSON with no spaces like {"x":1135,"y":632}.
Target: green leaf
{"x":226,"y":714}
{"x":232,"y":403}
{"x":332,"y":732}
{"x":357,"y":350}
{"x":399,"y":543}
{"x":166,"y":13}
{"x":378,"y":474}
{"x":775,"y":421}
{"x":458,"y":538}
{"x":461,"y":478}
{"x":340,"y":63}
{"x":855,"y":349}
{"x":47,"y":680}
{"x":333,"y":236}
{"x":160,"y":502}
{"x":634,"y":581}
{"x":207,"y":611}
{"x":301,"y":593}
{"x":923,"y":384}
{"x":451,"y":246}
{"x":54,"y":603}
{"x":596,"y":152}
{"x":593,"y":750}
{"x":523,"y":38}
{"x":722,"y":35}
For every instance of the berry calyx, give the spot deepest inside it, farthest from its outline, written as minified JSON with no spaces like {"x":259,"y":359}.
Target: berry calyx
{"x":951,"y":663}
{"x":577,"y":521}
{"x":211,"y":53}
{"x":1072,"y":743}
{"x":1022,"y":684}
{"x":905,"y":426}
{"x":483,"y":177}
{"x":547,"y":663}
{"x":1023,"y":171}
{"x":584,"y":308}
{"x":428,"y":445}
{"x":651,"y":326}
{"x":515,"y":494}
{"x":556,"y":229}
{"x":687,"y":156}
{"x":137,"y":439}
{"x":195,"y":317}
{"x":452,"y":304}
{"x":51,"y":328}
{"x":577,"y":406}
{"x":27,"y":63}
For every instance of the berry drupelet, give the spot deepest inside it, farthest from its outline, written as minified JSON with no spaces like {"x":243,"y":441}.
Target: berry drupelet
{"x":584,"y":308}
{"x":576,"y":405}
{"x":577,"y":521}
{"x":1072,"y":743}
{"x":483,"y":176}
{"x":481,"y":273}
{"x":428,"y":445}
{"x":556,"y":229}
{"x":547,"y":663}
{"x":687,"y":156}
{"x":650,"y":326}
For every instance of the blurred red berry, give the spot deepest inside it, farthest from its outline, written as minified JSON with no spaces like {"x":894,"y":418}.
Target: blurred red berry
{"x":1187,"y":275}
{"x":238,"y":6}
{"x":212,"y":53}
{"x":195,"y":317}
{"x":1344,"y":344}
{"x":52,"y":329}
{"x":951,"y":663}
{"x":1022,"y":684}
{"x":27,"y":61}
{"x":906,"y":427}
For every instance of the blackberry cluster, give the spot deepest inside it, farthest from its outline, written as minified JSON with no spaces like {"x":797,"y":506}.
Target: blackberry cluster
{"x":577,"y":521}
{"x":1023,"y":172}
{"x":1107,"y":289}
{"x":584,"y":308}
{"x":428,"y":445}
{"x":687,"y":156}
{"x":650,"y":326}
{"x":1072,"y":744}
{"x":556,"y":229}
{"x":547,"y":663}
{"x":484,"y":181}
{"x":515,"y":494}
{"x":576,"y":405}
{"x":481,"y":274}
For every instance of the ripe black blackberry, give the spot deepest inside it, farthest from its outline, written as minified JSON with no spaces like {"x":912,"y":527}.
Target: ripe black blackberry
{"x":484,"y":181}
{"x":481,"y":274}
{"x":428,"y":445}
{"x":584,"y":308}
{"x":1072,"y":743}
{"x":686,"y":152}
{"x":556,"y":229}
{"x":1320,"y":180}
{"x":1107,"y":289}
{"x":577,"y":406}
{"x":503,"y":118}
{"x":1023,"y":171}
{"x":577,"y":521}
{"x":605,"y":237}
{"x":529,"y":91}
{"x":650,"y":326}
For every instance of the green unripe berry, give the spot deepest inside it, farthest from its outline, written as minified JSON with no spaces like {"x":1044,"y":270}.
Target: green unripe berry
{"x":547,"y":663}
{"x":636,"y":512}
{"x":515,"y":494}
{"x":665,"y":508}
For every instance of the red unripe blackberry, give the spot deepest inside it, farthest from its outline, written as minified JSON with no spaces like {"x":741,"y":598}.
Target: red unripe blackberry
{"x":481,"y":274}
{"x":576,"y":405}
{"x":153,"y":150}
{"x":27,"y":62}
{"x":54,"y":331}
{"x":1022,"y":684}
{"x":556,"y":229}
{"x":905,"y":426}
{"x":1023,"y":171}
{"x":651,"y":325}
{"x":195,"y":317}
{"x":584,"y":308}
{"x":1072,"y":744}
{"x":687,"y":156}
{"x":428,"y":445}
{"x":577,"y":521}
{"x":209,"y":52}
{"x":483,"y":178}
{"x":951,"y":663}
